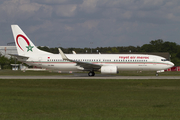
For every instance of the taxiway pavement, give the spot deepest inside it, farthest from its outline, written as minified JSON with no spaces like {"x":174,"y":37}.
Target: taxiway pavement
{"x":82,"y":76}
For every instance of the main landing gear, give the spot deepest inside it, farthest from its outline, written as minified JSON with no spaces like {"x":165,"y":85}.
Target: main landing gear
{"x":157,"y":74}
{"x":91,"y":73}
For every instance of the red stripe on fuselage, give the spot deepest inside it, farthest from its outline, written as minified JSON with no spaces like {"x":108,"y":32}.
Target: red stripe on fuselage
{"x":98,"y":63}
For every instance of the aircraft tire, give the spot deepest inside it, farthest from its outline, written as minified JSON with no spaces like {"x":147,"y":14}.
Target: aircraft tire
{"x":91,"y":74}
{"x":157,"y":74}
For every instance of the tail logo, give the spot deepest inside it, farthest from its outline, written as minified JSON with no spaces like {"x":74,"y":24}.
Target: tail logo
{"x":29,"y":47}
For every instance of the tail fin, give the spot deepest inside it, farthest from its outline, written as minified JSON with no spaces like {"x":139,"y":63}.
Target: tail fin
{"x":23,"y":43}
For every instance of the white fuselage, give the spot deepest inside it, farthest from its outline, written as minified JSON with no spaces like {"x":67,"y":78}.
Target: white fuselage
{"x":121,"y":61}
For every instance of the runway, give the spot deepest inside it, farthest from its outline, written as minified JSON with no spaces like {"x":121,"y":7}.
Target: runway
{"x":84,"y":76}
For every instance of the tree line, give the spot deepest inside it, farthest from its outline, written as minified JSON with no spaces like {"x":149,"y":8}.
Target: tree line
{"x":154,"y":46}
{"x":5,"y":63}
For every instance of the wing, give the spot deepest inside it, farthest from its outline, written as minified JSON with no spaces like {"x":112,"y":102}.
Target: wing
{"x":85,"y":65}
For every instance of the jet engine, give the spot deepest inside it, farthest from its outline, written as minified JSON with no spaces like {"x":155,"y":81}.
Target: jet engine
{"x":109,"y":70}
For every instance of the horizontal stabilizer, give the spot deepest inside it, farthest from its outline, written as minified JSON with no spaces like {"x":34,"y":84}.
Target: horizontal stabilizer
{"x":18,"y":56}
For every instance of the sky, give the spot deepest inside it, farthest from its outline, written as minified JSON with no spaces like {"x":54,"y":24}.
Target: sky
{"x":91,"y":23}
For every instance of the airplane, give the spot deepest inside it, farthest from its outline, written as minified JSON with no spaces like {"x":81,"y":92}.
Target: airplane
{"x":105,"y":63}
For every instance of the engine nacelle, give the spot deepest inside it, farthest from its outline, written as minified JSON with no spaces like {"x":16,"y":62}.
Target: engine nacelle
{"x":109,"y":70}
{"x":160,"y":71}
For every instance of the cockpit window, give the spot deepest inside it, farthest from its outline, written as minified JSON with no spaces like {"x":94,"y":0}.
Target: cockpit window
{"x":164,"y":60}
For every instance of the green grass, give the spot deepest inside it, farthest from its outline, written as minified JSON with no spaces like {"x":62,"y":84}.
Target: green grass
{"x":89,"y":99}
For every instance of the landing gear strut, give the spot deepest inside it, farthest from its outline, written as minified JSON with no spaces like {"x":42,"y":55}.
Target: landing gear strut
{"x":91,"y":73}
{"x":157,"y":74}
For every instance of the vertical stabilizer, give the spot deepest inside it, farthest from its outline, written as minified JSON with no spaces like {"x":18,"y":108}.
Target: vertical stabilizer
{"x":23,"y":43}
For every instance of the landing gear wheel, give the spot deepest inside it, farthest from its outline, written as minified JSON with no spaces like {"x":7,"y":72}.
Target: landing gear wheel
{"x":91,"y":73}
{"x":157,"y":74}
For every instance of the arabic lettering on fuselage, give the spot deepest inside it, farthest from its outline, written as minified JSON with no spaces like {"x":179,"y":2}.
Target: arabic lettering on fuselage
{"x":133,"y":57}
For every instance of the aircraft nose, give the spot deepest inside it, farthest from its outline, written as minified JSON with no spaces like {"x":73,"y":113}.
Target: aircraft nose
{"x":172,"y":64}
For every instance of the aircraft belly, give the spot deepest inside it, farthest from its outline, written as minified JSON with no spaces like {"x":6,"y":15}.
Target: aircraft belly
{"x":159,"y":67}
{"x":143,"y":67}
{"x":69,"y":67}
{"x":61,"y":67}
{"x":129,"y":67}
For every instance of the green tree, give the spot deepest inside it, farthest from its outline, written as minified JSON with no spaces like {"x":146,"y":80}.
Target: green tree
{"x":4,"y":62}
{"x":147,"y":48}
{"x":170,"y":47}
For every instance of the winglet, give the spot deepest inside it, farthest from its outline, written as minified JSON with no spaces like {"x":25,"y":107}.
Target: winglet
{"x":62,"y":54}
{"x":73,"y":52}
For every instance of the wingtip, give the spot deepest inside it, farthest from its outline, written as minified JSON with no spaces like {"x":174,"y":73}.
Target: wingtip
{"x":14,"y":25}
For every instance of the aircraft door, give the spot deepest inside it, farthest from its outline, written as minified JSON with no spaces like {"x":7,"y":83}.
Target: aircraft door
{"x":40,"y":62}
{"x":100,"y":61}
{"x":154,"y":61}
